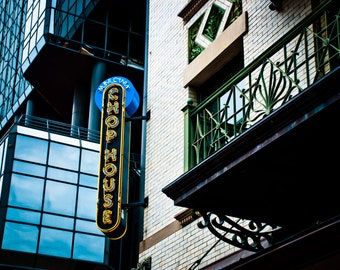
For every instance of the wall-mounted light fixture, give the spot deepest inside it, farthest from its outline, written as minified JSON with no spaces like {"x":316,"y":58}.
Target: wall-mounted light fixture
{"x":275,"y":5}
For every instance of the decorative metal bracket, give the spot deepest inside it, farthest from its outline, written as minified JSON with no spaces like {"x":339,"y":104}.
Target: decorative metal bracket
{"x":145,"y":265}
{"x":275,"y":5}
{"x":244,"y":234}
{"x":145,"y":204}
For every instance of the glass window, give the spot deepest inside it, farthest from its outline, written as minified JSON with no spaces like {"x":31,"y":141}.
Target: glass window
{"x":87,"y":226}
{"x":58,"y":221}
{"x":23,"y":215}
{"x":55,"y":242}
{"x":23,"y":195}
{"x":31,"y":149}
{"x":89,"y":161}
{"x":64,"y":156}
{"x":60,"y":198}
{"x":20,"y":237}
{"x":1,"y":182}
{"x":29,"y":168}
{"x":4,"y":155}
{"x":62,"y":175}
{"x":89,"y":247}
{"x":88,"y":180}
{"x":87,"y":203}
{"x":1,"y":156}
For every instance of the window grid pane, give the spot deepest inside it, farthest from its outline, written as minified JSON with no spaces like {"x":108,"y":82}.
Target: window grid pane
{"x":50,"y":207}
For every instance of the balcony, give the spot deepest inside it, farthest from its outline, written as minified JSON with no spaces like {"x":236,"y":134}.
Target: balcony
{"x":264,"y":147}
{"x":58,"y":128}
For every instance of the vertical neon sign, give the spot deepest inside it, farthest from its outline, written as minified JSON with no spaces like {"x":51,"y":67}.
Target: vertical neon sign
{"x":110,"y":219}
{"x":115,"y":97}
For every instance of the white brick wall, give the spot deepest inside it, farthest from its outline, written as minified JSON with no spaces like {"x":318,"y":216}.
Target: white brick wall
{"x":166,"y":98}
{"x":266,"y":26}
{"x":183,"y":248}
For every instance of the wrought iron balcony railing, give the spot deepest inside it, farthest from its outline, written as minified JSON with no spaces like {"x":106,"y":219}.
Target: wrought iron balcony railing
{"x":294,"y":63}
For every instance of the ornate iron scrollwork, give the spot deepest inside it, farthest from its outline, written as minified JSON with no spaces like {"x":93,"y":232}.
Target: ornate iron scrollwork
{"x":145,"y":265}
{"x":244,"y":234}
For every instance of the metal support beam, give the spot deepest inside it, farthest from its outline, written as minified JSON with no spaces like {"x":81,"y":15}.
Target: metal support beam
{"x":142,"y":117}
{"x":145,"y":204}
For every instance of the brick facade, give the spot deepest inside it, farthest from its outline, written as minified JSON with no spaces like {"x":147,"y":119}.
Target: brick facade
{"x":167,"y":54}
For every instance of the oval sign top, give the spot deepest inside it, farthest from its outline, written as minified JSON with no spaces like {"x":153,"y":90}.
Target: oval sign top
{"x":131,"y":99}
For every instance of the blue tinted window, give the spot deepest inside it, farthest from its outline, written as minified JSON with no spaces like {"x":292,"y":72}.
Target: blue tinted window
{"x":62,"y":175}
{"x":23,"y":215}
{"x":55,"y":242}
{"x":29,"y":168}
{"x":1,"y":182}
{"x":26,"y":191}
{"x":87,"y":226}
{"x":89,"y":161}
{"x":1,"y":156}
{"x":20,"y":237}
{"x":31,"y":149}
{"x":4,"y":155}
{"x":88,"y":180}
{"x":60,"y":198}
{"x":89,"y":247}
{"x":58,"y":221}
{"x":87,"y":203}
{"x":64,"y":156}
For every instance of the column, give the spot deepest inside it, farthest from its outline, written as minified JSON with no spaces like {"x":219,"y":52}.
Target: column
{"x":98,"y":76}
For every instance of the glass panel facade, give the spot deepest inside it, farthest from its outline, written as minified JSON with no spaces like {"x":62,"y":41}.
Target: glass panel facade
{"x":64,"y":156}
{"x":58,"y":221}
{"x":86,"y":226}
{"x":23,"y":215}
{"x":88,"y":158}
{"x":4,"y":153}
{"x":1,"y":155}
{"x":26,"y":192}
{"x":31,"y":149}
{"x":52,"y":198}
{"x":20,"y":237}
{"x":62,"y":175}
{"x":55,"y":242}
{"x":34,"y":27}
{"x":12,"y":84}
{"x":88,"y":197}
{"x":88,"y":180}
{"x":89,"y":245}
{"x":71,"y":24}
{"x":29,"y":168}
{"x":60,"y":198}
{"x":2,"y":161}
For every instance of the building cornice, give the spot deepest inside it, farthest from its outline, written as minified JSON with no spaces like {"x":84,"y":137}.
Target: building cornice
{"x":191,"y":9}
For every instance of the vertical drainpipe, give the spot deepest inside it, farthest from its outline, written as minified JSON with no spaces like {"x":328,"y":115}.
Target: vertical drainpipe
{"x":144,"y":113}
